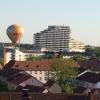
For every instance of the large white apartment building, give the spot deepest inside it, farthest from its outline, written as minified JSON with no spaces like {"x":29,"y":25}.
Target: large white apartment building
{"x":55,"y":38}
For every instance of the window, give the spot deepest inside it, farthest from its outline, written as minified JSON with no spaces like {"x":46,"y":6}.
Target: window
{"x":40,"y":78}
{"x":35,"y":72}
{"x":46,"y":78}
{"x":40,"y":72}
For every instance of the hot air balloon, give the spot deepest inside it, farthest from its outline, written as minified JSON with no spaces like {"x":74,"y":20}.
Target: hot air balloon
{"x":15,"y":33}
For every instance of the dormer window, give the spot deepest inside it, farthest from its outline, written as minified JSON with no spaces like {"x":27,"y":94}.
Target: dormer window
{"x":27,"y":66}
{"x":37,"y":66}
{"x":16,"y":65}
{"x":35,"y":72}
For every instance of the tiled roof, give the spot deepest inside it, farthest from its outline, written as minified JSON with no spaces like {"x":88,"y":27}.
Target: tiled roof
{"x":89,"y":76}
{"x":37,"y":65}
{"x":90,"y":64}
{"x":8,"y":72}
{"x":19,"y":78}
{"x":43,"y":65}
{"x":49,"y":83}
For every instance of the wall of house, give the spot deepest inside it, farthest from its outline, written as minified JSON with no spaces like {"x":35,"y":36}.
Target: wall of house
{"x":31,"y":81}
{"x":42,"y":76}
{"x":19,"y":55}
{"x":97,"y":85}
{"x":86,"y":84}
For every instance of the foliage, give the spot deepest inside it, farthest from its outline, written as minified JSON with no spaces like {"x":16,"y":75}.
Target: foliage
{"x":32,"y":58}
{"x":78,"y":57}
{"x":94,"y":52}
{"x":5,"y":86}
{"x":61,"y":70}
{"x":1,"y":61}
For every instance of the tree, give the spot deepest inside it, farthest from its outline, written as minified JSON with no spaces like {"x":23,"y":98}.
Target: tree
{"x":5,"y":86}
{"x":78,"y":58}
{"x":93,"y":52}
{"x":32,"y":58}
{"x":61,"y":71}
{"x":2,"y":61}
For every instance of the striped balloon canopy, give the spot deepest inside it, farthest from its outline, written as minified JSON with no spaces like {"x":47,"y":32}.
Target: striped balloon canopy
{"x":15,"y":33}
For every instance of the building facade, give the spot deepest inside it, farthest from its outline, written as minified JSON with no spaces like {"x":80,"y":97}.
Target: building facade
{"x":19,"y":55}
{"x":76,"y":46}
{"x":55,"y":38}
{"x":38,"y":69}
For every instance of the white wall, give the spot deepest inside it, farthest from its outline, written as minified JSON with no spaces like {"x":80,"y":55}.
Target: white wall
{"x":42,"y":76}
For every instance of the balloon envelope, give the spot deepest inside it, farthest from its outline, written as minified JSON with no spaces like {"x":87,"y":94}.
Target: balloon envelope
{"x":15,"y":33}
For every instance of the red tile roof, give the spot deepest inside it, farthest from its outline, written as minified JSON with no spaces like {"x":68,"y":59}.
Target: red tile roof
{"x":39,"y":65}
{"x":43,"y":65}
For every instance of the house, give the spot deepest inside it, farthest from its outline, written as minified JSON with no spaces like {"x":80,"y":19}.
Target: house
{"x":92,"y":64}
{"x":52,"y":87}
{"x":38,"y":69}
{"x":20,"y":55}
{"x":22,"y":79}
{"x":89,"y":74}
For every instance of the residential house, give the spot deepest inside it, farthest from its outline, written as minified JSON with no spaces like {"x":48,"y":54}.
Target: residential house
{"x":89,"y":74}
{"x":37,"y":69}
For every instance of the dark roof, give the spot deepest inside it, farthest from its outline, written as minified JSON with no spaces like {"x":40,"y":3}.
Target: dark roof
{"x":49,"y":83}
{"x":9,"y":64}
{"x":8,"y":72}
{"x":79,"y":89}
{"x":89,"y":76}
{"x":19,"y":78}
{"x":89,"y":64}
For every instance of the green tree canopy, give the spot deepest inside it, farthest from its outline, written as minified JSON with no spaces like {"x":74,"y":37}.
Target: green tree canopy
{"x":5,"y":86}
{"x":63,"y":69}
{"x":94,"y":52}
{"x":32,"y":58}
{"x":78,"y":58}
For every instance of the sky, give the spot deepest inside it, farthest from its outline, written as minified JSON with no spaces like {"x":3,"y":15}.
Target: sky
{"x":83,"y":17}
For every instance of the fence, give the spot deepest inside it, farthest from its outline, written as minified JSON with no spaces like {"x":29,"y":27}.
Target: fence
{"x":40,"y":96}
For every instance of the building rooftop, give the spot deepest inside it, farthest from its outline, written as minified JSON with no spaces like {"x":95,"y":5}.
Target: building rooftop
{"x":42,"y":65}
{"x":89,"y":76}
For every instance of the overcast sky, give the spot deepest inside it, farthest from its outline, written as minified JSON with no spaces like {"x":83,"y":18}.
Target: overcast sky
{"x":83,"y":17}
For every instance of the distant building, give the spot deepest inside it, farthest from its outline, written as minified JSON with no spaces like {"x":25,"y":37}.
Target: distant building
{"x":76,"y":46}
{"x":19,"y":55}
{"x":55,"y":38}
